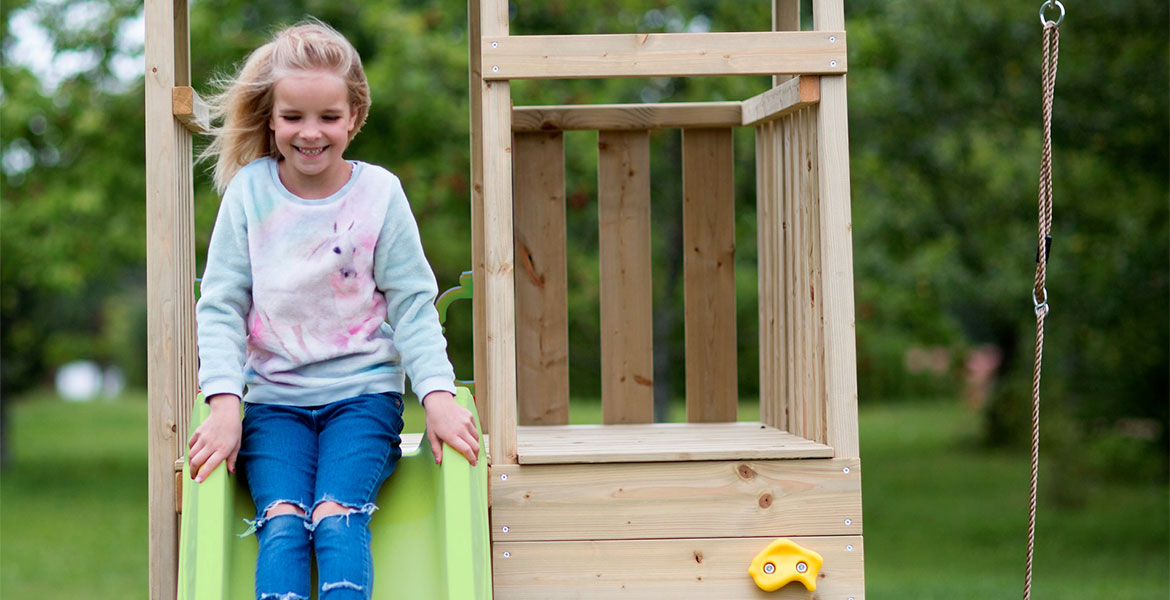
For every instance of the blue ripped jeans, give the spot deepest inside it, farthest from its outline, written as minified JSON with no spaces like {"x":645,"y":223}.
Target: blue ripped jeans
{"x":339,"y":452}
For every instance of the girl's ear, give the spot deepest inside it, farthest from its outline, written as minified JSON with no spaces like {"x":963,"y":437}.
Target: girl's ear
{"x":352,"y":120}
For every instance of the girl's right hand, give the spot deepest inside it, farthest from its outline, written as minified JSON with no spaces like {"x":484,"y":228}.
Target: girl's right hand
{"x":217,"y":439}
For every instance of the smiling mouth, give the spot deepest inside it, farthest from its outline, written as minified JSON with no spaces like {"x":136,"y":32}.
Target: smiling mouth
{"x":310,"y":152}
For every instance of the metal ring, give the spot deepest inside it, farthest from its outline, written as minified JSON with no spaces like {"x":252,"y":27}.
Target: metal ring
{"x":1043,"y":7}
{"x":1041,"y":306}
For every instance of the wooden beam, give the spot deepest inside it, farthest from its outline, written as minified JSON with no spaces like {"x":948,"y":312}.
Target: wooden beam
{"x":627,"y":336}
{"x":662,"y":442}
{"x":676,"y":500}
{"x":709,"y":274}
{"x":785,"y":17}
{"x":499,"y":294}
{"x":671,"y":568}
{"x":170,"y":266}
{"x":786,"y":98}
{"x":190,"y":109}
{"x":621,"y":117}
{"x":663,"y":54}
{"x":542,"y":319}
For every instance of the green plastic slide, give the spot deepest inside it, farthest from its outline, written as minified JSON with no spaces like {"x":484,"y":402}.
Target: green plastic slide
{"x":430,"y":534}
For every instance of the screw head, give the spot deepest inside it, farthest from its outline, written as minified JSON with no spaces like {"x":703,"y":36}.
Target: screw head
{"x":848,"y":521}
{"x":845,"y":470}
{"x":495,"y":44}
{"x":496,"y":69}
{"x":832,"y":63}
{"x":507,"y":554}
{"x":769,"y":568}
{"x":832,"y":39}
{"x":503,"y":477}
{"x":504,"y":529}
{"x":849,"y":548}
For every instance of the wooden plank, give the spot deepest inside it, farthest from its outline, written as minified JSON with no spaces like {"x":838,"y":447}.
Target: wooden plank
{"x":709,"y":274}
{"x":816,"y":292}
{"x":190,"y":109}
{"x":170,"y":302}
{"x":836,"y":247}
{"x":478,"y":305}
{"x":499,"y":385}
{"x":770,"y":276}
{"x":627,"y":336}
{"x":622,"y":117}
{"x":656,"y":569}
{"x":676,"y":500}
{"x":786,"y":98}
{"x":662,"y":442}
{"x":542,"y":318}
{"x":663,"y":54}
{"x":785,"y":17}
{"x":792,"y":362}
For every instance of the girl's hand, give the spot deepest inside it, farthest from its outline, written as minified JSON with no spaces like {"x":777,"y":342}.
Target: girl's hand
{"x":217,"y":439}
{"x":449,"y":422}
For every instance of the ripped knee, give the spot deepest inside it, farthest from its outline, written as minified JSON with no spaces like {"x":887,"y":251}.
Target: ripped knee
{"x":329,"y":508}
{"x":283,"y":508}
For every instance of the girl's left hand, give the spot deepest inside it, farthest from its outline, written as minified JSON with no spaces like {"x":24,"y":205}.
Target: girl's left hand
{"x":449,"y":422}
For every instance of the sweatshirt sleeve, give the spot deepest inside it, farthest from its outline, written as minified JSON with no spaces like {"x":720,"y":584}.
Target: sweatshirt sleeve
{"x":405,"y":279}
{"x":224,"y":302}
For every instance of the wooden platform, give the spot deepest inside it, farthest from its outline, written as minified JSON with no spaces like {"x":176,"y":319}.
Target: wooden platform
{"x":661,"y":442}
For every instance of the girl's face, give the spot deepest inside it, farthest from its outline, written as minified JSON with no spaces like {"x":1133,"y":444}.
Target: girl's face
{"x":312,"y":120}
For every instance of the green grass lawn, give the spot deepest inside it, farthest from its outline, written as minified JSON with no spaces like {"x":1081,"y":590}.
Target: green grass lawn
{"x":943,"y":518}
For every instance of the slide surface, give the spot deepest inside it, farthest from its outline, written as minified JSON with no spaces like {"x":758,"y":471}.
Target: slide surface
{"x":430,"y":534}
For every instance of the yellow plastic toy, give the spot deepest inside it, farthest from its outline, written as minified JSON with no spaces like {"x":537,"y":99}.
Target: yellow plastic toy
{"x":783,"y":562}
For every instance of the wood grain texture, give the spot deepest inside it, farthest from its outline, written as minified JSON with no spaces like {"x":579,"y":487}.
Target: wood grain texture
{"x":624,"y":117}
{"x":542,"y":319}
{"x":662,"y":442}
{"x":654,"y":569}
{"x":676,"y":500}
{"x":709,"y":275}
{"x":190,"y":109}
{"x":663,"y":54}
{"x":786,"y":98}
{"x":627,"y":337}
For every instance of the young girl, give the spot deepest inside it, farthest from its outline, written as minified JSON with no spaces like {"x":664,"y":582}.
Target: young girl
{"x":318,"y":299}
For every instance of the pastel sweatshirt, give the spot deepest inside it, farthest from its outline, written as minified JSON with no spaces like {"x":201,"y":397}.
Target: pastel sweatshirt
{"x":307,"y":302}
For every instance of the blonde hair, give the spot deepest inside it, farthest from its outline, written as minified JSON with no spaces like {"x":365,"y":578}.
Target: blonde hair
{"x":245,"y":100}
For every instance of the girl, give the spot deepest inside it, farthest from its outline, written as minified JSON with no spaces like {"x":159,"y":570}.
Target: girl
{"x":318,"y":299}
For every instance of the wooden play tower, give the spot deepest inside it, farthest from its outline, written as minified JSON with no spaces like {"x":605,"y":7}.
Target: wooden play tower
{"x":627,"y":508}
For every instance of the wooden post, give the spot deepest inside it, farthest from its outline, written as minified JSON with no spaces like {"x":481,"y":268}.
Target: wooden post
{"x":478,"y":303}
{"x":785,"y":17}
{"x":542,"y":316}
{"x":498,"y":326}
{"x":709,"y":274}
{"x":627,"y":336}
{"x":836,"y":247}
{"x":170,"y":270}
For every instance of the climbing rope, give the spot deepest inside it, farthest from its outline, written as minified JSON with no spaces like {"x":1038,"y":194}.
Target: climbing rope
{"x":1051,"y":52}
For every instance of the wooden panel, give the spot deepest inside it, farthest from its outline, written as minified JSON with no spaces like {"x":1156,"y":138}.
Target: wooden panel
{"x":663,"y":54}
{"x":498,"y":291}
{"x":709,"y":274}
{"x":542,"y":319}
{"x":656,"y":569}
{"x":662,"y":442}
{"x":783,"y":99}
{"x":836,"y":247}
{"x":676,"y":500}
{"x":619,"y":117}
{"x":627,"y":352}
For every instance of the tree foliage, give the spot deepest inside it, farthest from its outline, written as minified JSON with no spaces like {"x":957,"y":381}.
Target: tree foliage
{"x":944,"y":124}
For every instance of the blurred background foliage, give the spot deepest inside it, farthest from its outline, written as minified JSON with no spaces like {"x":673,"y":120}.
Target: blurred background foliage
{"x":944,"y":136}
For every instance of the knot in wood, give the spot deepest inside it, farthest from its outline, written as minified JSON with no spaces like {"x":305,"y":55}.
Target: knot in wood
{"x":766,"y":500}
{"x":745,"y":472}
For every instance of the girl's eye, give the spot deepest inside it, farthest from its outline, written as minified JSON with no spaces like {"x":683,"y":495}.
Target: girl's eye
{"x":291,"y":118}
{"x":330,"y":118}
